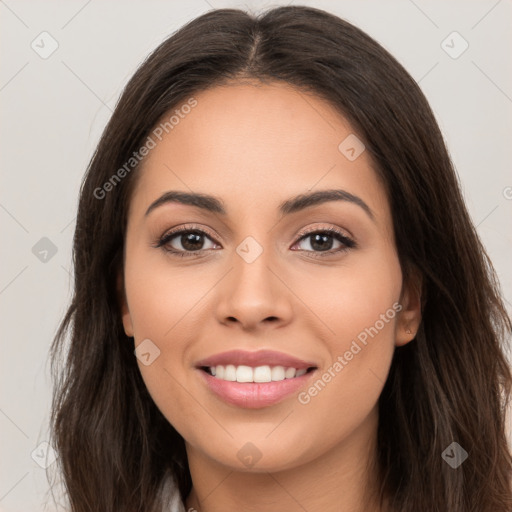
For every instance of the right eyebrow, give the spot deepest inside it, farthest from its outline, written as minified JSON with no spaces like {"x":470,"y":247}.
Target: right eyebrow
{"x":203,"y":201}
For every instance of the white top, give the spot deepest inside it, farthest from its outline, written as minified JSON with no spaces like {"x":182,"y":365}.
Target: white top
{"x":171,"y":497}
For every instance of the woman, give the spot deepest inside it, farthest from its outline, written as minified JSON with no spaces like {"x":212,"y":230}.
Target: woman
{"x":280,"y":300}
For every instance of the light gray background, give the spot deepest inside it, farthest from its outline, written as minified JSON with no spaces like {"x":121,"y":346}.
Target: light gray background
{"x":54,"y":109}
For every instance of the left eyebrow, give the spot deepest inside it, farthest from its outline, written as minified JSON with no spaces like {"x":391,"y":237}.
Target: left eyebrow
{"x":322,"y":196}
{"x":295,"y":204}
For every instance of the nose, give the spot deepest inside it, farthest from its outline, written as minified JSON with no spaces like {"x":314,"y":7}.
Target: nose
{"x":254,"y":295}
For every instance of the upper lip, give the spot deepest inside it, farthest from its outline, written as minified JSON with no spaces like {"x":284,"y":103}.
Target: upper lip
{"x":254,"y":359}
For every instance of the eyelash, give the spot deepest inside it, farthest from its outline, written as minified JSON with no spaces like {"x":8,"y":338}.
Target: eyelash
{"x":341,"y":237}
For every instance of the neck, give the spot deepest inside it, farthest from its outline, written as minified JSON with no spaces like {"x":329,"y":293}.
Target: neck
{"x":344,"y":479}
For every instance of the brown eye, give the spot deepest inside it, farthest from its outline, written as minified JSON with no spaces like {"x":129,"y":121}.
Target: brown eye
{"x":185,"y":241}
{"x":323,"y":241}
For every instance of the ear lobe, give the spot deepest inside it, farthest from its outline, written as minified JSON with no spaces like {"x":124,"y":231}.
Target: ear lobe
{"x":123,"y":304}
{"x":409,"y":318}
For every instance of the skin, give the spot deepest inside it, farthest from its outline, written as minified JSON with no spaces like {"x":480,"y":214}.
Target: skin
{"x":254,"y":146}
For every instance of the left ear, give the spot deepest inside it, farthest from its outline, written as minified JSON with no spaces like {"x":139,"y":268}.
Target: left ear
{"x":409,"y":317}
{"x":123,"y":304}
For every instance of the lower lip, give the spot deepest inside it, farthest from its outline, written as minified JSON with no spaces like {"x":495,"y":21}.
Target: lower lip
{"x":254,"y":395}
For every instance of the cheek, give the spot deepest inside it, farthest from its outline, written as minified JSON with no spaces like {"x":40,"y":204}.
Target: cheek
{"x":352,"y":297}
{"x":161,"y":293}
{"x":359,"y":305}
{"x":163,"y":304}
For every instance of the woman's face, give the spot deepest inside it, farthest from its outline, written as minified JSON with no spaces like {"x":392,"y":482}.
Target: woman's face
{"x":249,"y":274}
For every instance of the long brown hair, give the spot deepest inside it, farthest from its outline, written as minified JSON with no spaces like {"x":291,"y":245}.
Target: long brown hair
{"x":451,"y":384}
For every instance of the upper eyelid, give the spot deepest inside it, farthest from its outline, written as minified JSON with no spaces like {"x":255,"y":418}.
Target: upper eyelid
{"x":185,"y":229}
{"x":331,"y":229}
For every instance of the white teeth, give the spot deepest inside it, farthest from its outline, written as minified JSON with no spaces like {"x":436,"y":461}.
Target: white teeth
{"x":277,"y":373}
{"x":244,"y":374}
{"x":230,"y":373}
{"x":290,"y":373}
{"x":264,"y":373}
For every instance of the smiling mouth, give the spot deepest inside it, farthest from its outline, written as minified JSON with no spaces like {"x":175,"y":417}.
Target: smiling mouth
{"x":258,"y":374}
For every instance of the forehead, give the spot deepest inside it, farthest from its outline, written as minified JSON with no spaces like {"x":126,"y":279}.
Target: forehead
{"x":257,"y":144}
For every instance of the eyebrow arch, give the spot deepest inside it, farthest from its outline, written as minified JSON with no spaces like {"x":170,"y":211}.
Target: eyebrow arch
{"x":295,"y":204}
